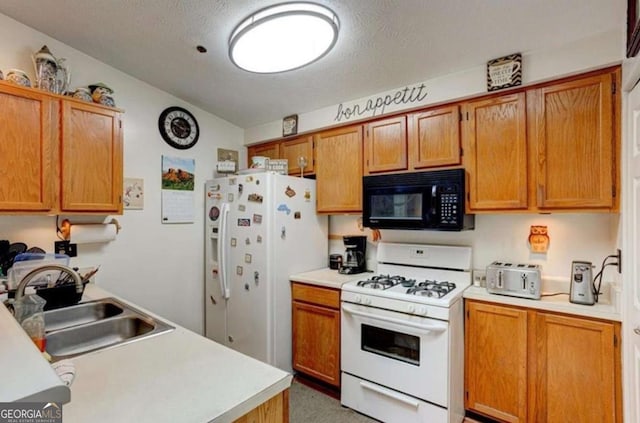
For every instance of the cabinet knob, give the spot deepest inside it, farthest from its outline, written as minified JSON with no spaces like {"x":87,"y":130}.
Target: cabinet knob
{"x":637,"y":330}
{"x":213,"y":301}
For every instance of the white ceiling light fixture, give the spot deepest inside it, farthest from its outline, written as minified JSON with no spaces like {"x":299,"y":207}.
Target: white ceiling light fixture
{"x":283,"y":37}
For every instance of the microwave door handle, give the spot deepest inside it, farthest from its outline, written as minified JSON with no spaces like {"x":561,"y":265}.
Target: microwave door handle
{"x":428,"y":328}
{"x":434,"y":200}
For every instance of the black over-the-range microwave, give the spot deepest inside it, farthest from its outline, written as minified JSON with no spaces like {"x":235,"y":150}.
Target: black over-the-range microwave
{"x":421,"y":200}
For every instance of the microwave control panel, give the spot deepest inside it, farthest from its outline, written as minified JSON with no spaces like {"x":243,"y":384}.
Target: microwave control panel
{"x":449,"y":206}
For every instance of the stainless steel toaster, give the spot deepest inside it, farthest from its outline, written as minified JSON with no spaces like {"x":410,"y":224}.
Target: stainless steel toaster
{"x":514,"y":279}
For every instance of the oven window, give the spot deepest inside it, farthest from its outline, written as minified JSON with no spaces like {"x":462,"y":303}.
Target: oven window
{"x":396,"y":345}
{"x":396,"y":205}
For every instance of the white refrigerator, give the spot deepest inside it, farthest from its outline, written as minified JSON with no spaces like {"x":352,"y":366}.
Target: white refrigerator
{"x":261,"y":228}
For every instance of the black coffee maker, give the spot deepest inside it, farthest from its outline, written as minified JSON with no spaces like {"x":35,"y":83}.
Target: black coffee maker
{"x":354,"y":256}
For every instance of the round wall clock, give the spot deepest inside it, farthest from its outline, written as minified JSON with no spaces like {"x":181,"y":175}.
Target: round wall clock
{"x":178,"y":128}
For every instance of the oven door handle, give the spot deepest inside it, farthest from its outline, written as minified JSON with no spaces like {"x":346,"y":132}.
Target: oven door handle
{"x":389,"y":393}
{"x":406,"y":323}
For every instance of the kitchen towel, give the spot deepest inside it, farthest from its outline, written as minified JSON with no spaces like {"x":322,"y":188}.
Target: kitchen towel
{"x":92,"y":233}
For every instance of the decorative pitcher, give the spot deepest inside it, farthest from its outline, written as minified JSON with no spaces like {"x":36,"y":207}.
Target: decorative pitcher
{"x":51,"y":74}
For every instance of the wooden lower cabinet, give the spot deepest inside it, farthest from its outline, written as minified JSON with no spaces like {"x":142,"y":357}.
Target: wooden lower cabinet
{"x":316,"y":332}
{"x":523,"y":365}
{"x":496,"y":361}
{"x":274,"y":410}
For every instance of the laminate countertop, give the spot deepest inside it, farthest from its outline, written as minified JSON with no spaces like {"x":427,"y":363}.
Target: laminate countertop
{"x":605,"y":309}
{"x":176,"y":376}
{"x":327,"y":278}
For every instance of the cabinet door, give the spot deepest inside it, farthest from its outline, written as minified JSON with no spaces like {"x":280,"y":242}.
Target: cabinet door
{"x":574,"y":144}
{"x":316,"y":342}
{"x":495,"y":139}
{"x":385,"y":145}
{"x":270,"y":150}
{"x":434,"y":138}
{"x":339,"y":170}
{"x":91,"y":158}
{"x":293,"y":150}
{"x":496,"y":361}
{"x":575,"y":374}
{"x":28,"y":135}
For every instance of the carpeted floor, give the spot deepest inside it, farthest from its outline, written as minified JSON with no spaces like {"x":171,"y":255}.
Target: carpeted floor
{"x":306,"y":405}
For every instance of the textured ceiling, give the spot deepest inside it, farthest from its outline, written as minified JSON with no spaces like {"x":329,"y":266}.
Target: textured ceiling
{"x":383,"y":44}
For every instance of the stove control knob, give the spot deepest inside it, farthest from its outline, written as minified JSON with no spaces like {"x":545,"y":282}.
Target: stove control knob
{"x":358,"y":299}
{"x":411,"y":308}
{"x":422,"y":311}
{"x":366,"y":301}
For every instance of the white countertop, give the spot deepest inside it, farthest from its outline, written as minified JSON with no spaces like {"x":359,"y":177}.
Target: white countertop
{"x":174,"y":376}
{"x":558,"y":303}
{"x":328,"y":278}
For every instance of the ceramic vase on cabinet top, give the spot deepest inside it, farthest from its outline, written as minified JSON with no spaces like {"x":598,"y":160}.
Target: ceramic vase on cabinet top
{"x":51,"y":74}
{"x":18,"y":77}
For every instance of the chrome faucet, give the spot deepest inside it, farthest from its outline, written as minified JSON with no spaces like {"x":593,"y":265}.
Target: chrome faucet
{"x":29,"y":276}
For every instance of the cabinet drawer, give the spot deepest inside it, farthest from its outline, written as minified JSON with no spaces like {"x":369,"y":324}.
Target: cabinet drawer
{"x":316,"y":295}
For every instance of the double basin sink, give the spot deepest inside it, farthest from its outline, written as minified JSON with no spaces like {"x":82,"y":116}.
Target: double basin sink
{"x":96,"y":325}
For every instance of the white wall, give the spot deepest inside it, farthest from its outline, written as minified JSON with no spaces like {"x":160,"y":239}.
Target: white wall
{"x":586,"y":236}
{"x":583,"y":236}
{"x":160,"y":267}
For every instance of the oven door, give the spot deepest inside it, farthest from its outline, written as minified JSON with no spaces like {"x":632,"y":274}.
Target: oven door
{"x":402,"y":352}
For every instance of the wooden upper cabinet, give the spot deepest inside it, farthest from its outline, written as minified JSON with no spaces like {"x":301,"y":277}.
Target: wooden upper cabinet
{"x":270,"y":150}
{"x":385,"y":145}
{"x":293,"y":149}
{"x":28,"y":136}
{"x":574,"y":143}
{"x":91,"y":158}
{"x":339,"y":170}
{"x":496,"y":361}
{"x":575,"y":370}
{"x":434,"y":138}
{"x":495,"y":139}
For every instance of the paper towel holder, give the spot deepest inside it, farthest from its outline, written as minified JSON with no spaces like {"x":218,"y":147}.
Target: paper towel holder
{"x":65,"y":227}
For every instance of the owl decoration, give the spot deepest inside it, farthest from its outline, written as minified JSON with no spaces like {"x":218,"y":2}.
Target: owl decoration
{"x":538,"y":239}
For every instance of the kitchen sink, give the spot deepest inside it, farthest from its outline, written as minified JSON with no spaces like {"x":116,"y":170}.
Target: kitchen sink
{"x":97,"y":325}
{"x":79,"y":314}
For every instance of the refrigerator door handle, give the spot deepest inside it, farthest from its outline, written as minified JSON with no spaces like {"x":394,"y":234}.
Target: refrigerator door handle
{"x":222,"y":248}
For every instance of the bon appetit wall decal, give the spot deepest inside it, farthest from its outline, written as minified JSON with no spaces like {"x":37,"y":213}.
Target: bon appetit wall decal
{"x":376,"y":105}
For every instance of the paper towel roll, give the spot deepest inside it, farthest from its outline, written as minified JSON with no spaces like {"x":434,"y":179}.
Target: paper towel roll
{"x":89,"y":233}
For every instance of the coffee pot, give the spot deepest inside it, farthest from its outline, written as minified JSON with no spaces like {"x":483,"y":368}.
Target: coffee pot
{"x":51,"y":74}
{"x":354,"y":261}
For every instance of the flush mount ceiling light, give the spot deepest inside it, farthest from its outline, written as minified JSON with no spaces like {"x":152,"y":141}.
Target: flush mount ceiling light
{"x":283,"y":37}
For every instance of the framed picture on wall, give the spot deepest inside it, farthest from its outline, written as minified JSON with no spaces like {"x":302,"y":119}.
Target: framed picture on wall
{"x":633,"y":29}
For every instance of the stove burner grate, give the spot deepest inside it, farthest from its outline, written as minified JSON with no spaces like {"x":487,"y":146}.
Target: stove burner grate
{"x":386,"y":282}
{"x":429,"y":288}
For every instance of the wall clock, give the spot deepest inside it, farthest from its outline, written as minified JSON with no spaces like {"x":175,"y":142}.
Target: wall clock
{"x":178,"y":127}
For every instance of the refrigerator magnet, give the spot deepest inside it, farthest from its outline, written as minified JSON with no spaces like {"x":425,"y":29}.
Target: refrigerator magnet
{"x":283,"y":207}
{"x":257,"y":181}
{"x":232,"y":181}
{"x":249,"y":179}
{"x":247,"y":258}
{"x":241,"y":207}
{"x":240,"y":188}
{"x":289,"y":192}
{"x":257,"y":198}
{"x":296,"y":215}
{"x":257,"y":218}
{"x":283,"y":232}
{"x":233,"y":242}
{"x":239,"y":270}
{"x":256,"y":277}
{"x":247,"y":241}
{"x":259,"y":239}
{"x":244,"y":222}
{"x":230,"y":197}
{"x":307,"y":195}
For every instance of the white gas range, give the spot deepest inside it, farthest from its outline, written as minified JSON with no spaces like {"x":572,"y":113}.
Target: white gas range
{"x":402,"y":338}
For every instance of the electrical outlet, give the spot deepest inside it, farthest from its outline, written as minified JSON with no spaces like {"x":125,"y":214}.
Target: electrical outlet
{"x":479,"y":277}
{"x":619,"y":260}
{"x":65,"y":247}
